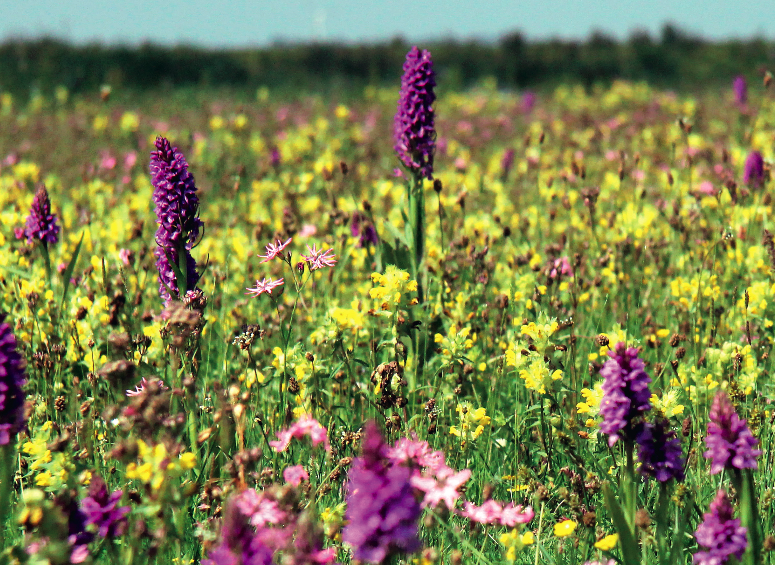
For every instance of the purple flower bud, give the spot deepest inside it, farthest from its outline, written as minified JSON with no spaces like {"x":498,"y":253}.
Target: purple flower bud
{"x":729,"y":441}
{"x":382,"y":512}
{"x":753,"y":174}
{"x":177,"y":208}
{"x":659,"y":452}
{"x":414,"y":133}
{"x":41,"y":223}
{"x":720,"y":534}
{"x":625,"y":393}
{"x":12,"y":379}
{"x":740,"y":86}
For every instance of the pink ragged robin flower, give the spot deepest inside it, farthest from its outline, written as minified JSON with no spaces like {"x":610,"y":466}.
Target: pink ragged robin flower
{"x":140,"y":388}
{"x":318,"y":258}
{"x":442,"y":485}
{"x":295,"y":475}
{"x":305,"y":426}
{"x":274,"y":250}
{"x":264,"y":286}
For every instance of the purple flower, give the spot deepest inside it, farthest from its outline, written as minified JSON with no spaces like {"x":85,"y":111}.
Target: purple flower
{"x":507,"y":162}
{"x":363,"y":230}
{"x":382,"y":511}
{"x":721,"y":535}
{"x":240,"y":544}
{"x":625,"y":393}
{"x":529,"y":100}
{"x":413,"y":131}
{"x":41,"y":224}
{"x":177,"y":208}
{"x":753,"y":173}
{"x":740,"y":86}
{"x":729,"y":441}
{"x":12,"y":379}
{"x":659,"y":452}
{"x":102,"y":509}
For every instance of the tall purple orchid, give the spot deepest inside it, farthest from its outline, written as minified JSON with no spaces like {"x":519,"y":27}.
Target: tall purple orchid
{"x":177,"y":213}
{"x":414,"y":133}
{"x":12,"y":379}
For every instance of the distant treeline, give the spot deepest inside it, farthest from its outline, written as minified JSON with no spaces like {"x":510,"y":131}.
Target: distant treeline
{"x":674,"y":60}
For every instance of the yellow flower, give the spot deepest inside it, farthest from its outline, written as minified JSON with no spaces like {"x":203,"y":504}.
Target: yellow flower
{"x":564,"y":528}
{"x":608,"y":542}
{"x":472,"y":422}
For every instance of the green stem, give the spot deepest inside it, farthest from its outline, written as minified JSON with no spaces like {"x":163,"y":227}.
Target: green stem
{"x":7,"y":460}
{"x":417,"y":217}
{"x":632,"y":486}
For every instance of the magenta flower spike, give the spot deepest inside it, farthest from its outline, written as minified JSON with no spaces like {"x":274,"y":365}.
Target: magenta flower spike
{"x":413,"y":129}
{"x":625,"y":393}
{"x":177,"y":213}
{"x":12,"y":379}
{"x":41,"y":224}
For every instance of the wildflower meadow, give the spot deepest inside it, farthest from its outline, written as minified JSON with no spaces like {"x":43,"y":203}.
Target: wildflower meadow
{"x":405,"y":326}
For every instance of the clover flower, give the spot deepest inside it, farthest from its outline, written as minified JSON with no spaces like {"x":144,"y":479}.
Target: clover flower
{"x":381,"y":509}
{"x":659,"y":452}
{"x":12,"y":379}
{"x":729,"y":441}
{"x":413,"y":129}
{"x":177,"y":209}
{"x":720,"y":534}
{"x":625,"y":393}
{"x":41,"y":224}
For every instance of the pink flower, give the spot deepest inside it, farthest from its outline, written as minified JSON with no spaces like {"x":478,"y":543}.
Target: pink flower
{"x":262,"y":510}
{"x":443,"y":487}
{"x":125,"y":255}
{"x":139,"y":389}
{"x":305,"y":426}
{"x":264,"y":286}
{"x":318,"y":258}
{"x":129,"y":160}
{"x":308,"y":230}
{"x":274,"y":250}
{"x":410,"y":450}
{"x":488,"y":513}
{"x":513,"y":515}
{"x":295,"y":475}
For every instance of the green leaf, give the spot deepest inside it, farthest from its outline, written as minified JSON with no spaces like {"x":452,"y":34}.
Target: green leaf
{"x":68,"y":274}
{"x":749,"y":516}
{"x":630,"y":547}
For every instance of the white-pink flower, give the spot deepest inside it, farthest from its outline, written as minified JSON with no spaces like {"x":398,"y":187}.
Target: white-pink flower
{"x":488,"y":513}
{"x":318,"y":258}
{"x":264,"y":286}
{"x":305,"y":426}
{"x":411,"y":450}
{"x":442,"y":485}
{"x":513,"y":515}
{"x":274,"y":250}
{"x":140,"y":388}
{"x":295,"y":475}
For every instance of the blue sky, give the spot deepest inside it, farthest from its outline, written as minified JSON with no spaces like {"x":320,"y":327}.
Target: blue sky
{"x":260,"y":22}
